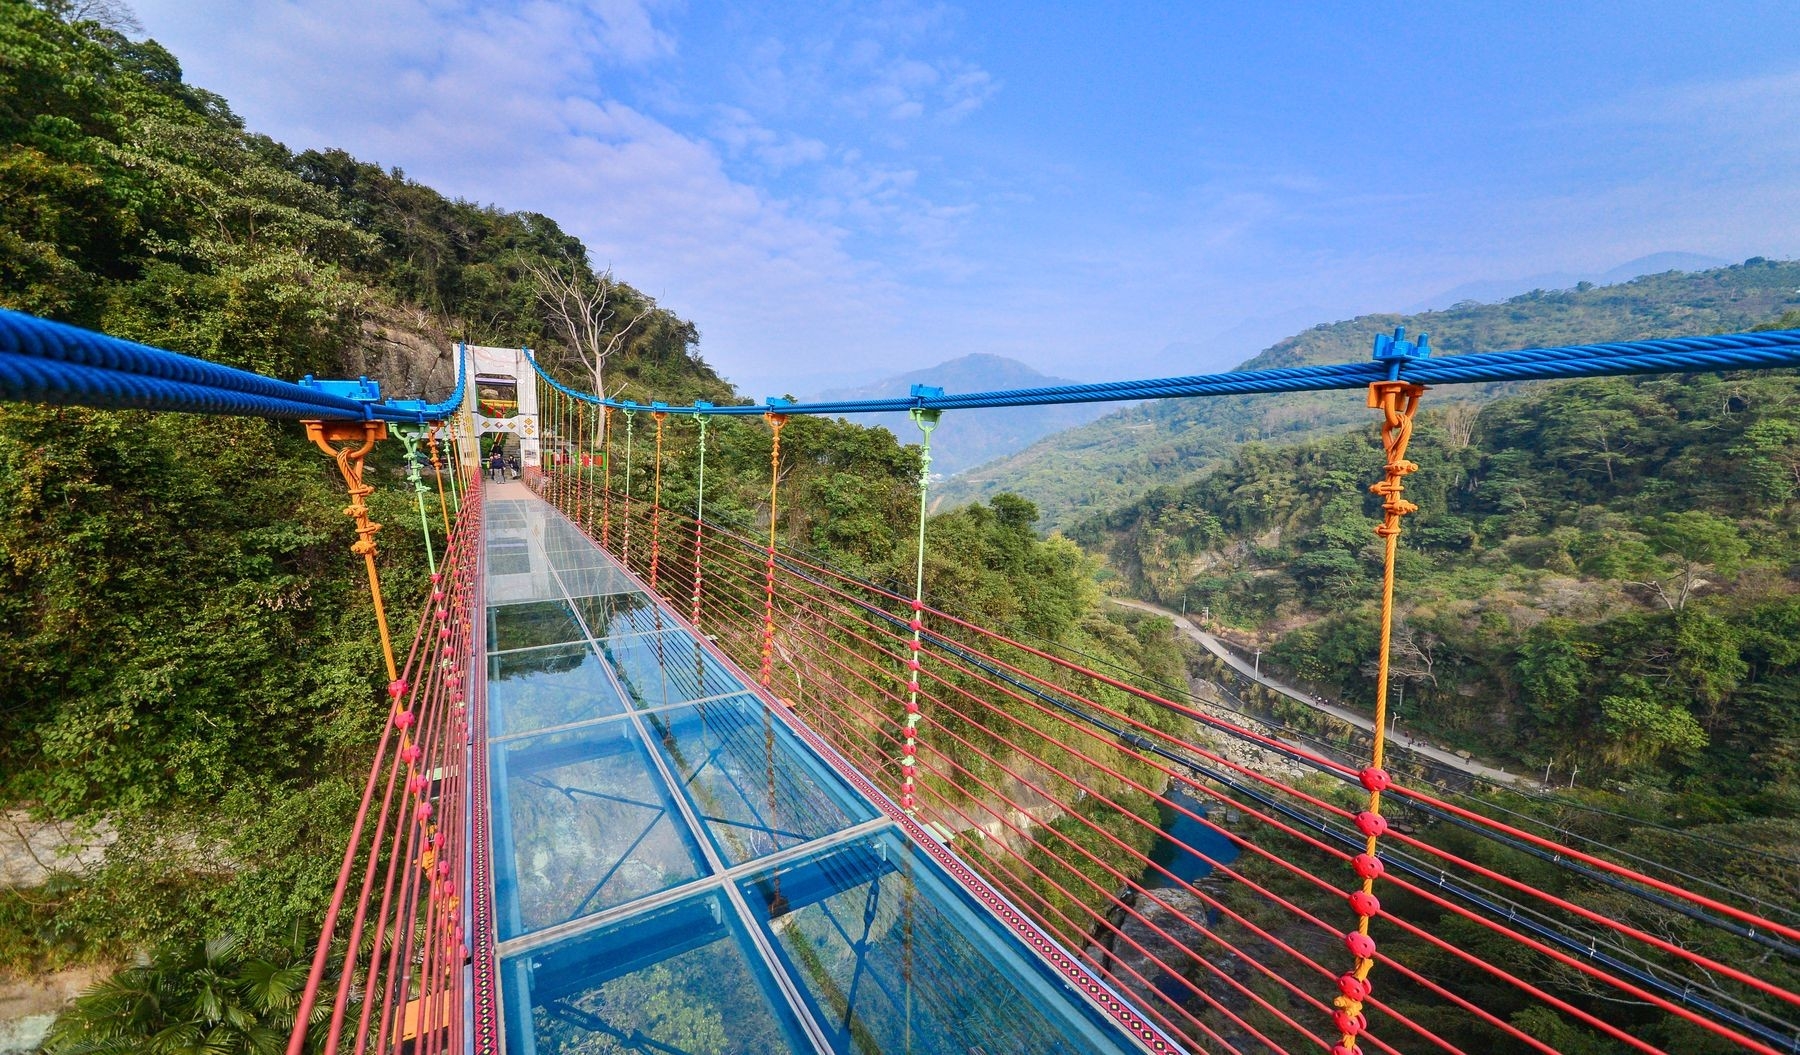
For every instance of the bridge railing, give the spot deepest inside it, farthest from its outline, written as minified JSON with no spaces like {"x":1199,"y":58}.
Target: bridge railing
{"x":1199,"y":866}
{"x":389,"y":971}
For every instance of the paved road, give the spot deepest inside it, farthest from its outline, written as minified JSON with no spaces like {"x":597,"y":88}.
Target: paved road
{"x":1363,"y":722}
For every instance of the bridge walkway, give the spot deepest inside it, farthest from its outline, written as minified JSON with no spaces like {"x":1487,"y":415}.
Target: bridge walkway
{"x":679,"y":867}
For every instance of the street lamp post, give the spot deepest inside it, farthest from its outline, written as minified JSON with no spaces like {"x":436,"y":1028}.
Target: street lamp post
{"x":1256,"y":668}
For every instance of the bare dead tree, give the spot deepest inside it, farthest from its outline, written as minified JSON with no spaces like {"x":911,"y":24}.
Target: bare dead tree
{"x":1458,"y":422}
{"x":1415,"y":653}
{"x":587,"y":309}
{"x":1686,"y":578}
{"x":115,"y":15}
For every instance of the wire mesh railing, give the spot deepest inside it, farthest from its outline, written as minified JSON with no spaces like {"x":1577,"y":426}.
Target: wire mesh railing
{"x":389,"y":971}
{"x":1203,"y":887}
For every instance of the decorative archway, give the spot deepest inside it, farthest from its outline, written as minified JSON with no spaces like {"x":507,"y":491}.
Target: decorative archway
{"x":504,"y":397}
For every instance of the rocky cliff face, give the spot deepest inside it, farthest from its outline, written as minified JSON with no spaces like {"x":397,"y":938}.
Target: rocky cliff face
{"x":410,"y":350}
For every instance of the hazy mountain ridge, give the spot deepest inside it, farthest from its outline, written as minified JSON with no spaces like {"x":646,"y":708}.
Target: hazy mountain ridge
{"x":1111,"y":460}
{"x":968,"y":439}
{"x":1488,"y":290}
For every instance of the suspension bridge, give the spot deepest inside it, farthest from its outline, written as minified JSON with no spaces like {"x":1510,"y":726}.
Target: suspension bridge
{"x":654,"y":782}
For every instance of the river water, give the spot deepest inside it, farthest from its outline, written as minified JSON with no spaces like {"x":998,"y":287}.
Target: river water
{"x":1178,"y":829}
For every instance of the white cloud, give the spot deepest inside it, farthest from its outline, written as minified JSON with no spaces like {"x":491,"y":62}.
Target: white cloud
{"x":807,"y":191}
{"x":1748,"y":106}
{"x":511,"y":106}
{"x":630,"y":31}
{"x":966,"y":88}
{"x":881,"y":64}
{"x":742,"y":135}
{"x":903,"y":88}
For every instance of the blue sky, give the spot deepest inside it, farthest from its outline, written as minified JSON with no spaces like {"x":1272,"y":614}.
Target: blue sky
{"x":831,"y":190}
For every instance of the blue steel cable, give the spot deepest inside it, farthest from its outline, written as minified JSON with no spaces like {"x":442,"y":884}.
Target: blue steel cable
{"x":68,"y":347}
{"x":81,"y":367}
{"x":52,"y":362}
{"x":1738,"y":351}
{"x":40,"y":381}
{"x":452,"y":403}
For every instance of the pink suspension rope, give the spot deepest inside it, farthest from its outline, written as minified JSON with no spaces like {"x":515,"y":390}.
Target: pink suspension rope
{"x":846,"y":635}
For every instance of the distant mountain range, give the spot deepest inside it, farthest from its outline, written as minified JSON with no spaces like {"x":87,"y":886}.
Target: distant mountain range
{"x":1244,"y":339}
{"x":1489,"y":290}
{"x":1114,"y":459}
{"x":966,"y":439}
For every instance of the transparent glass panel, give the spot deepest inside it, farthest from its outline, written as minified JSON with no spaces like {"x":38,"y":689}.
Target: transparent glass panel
{"x":531,"y":625}
{"x":756,"y":787}
{"x":622,"y":615}
{"x":568,"y":548}
{"x":892,"y":958}
{"x":542,"y":687}
{"x":508,"y":556}
{"x":582,"y":823}
{"x":578,"y":556}
{"x":506,"y":513}
{"x":517,"y":572}
{"x":598,"y":578}
{"x":680,"y":979}
{"x":657,"y":669}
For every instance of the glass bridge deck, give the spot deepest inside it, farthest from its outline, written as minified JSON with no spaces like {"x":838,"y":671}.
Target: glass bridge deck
{"x":678,"y":873}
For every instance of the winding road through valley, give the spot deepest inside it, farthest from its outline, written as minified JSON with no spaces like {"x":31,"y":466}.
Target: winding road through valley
{"x":1363,"y":722}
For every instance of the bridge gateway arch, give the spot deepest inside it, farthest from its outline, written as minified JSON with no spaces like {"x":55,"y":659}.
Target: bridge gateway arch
{"x":504,"y":399}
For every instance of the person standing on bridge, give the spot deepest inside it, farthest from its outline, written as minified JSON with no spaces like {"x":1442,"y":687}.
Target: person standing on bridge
{"x":497,"y":464}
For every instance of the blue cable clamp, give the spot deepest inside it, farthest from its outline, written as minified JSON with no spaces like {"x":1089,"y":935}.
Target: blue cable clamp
{"x":920,"y":393}
{"x":362,"y":389}
{"x":1397,"y":351}
{"x":1398,"y":347}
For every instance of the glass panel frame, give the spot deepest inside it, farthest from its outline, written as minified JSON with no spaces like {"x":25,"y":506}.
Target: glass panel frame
{"x":755,"y":786}
{"x":684,"y":976}
{"x":583,"y":822}
{"x":541,"y":688}
{"x":891,"y":956}
{"x":532,"y":624}
{"x":655,"y":670}
{"x":621,"y":615}
{"x":603,"y":881}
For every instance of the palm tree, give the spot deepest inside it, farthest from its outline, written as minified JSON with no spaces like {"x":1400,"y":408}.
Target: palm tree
{"x":205,"y":999}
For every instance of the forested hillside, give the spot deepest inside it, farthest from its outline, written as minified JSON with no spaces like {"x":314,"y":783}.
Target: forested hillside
{"x":1602,"y":574}
{"x":192,"y":666}
{"x":191,"y":663}
{"x":1094,"y":468}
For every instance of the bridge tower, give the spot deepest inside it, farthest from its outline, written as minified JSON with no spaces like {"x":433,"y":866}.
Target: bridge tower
{"x":504,"y":398}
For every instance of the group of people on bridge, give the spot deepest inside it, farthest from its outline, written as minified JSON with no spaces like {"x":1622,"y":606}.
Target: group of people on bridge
{"x":501,"y":466}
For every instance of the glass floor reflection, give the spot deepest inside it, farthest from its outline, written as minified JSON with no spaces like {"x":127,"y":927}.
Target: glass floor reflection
{"x":676,"y":872}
